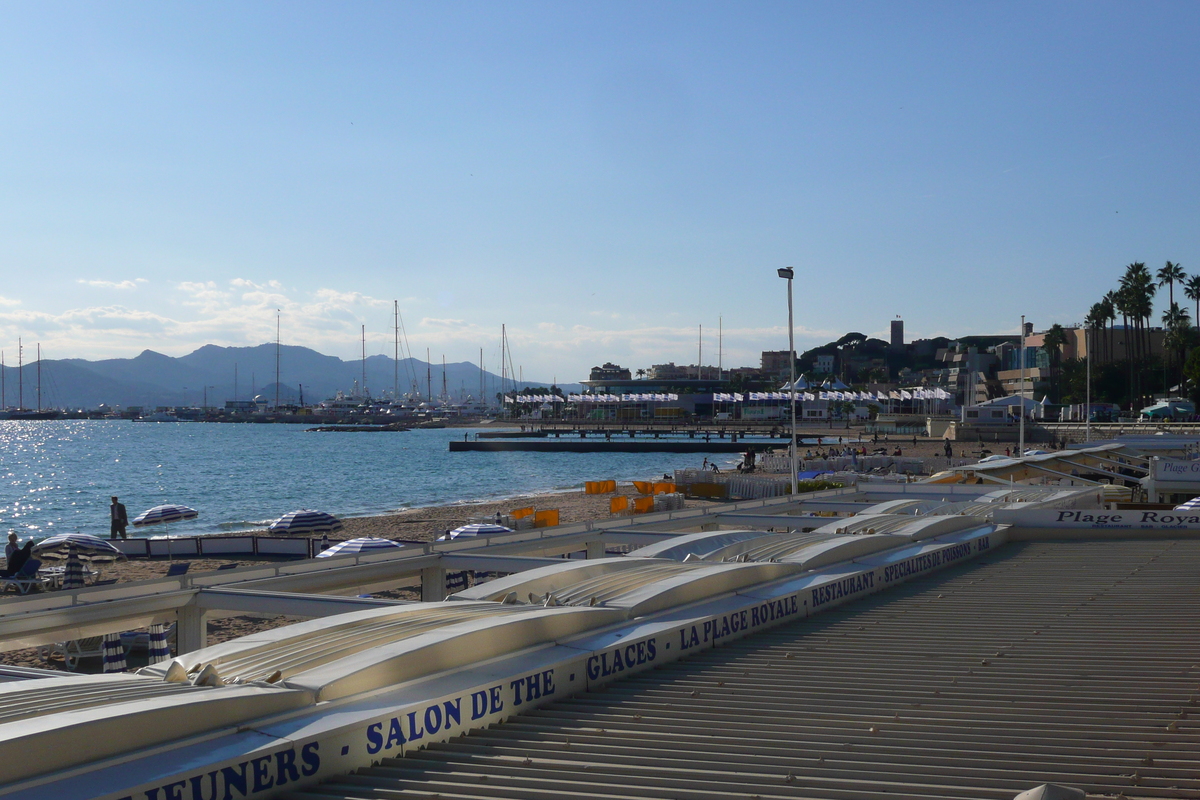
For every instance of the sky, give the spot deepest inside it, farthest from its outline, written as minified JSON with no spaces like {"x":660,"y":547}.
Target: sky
{"x":604,"y":179}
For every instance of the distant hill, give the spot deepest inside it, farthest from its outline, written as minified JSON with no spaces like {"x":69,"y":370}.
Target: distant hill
{"x":153,"y":379}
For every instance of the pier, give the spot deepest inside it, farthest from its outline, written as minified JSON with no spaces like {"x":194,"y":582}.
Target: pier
{"x":614,"y":445}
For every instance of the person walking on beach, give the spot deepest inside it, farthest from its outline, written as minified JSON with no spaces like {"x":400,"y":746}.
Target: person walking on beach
{"x":118,"y":518}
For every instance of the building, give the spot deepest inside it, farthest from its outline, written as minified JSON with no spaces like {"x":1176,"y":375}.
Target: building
{"x":897,"y":340}
{"x":610,"y":372}
{"x":775,"y":363}
{"x":667,"y":372}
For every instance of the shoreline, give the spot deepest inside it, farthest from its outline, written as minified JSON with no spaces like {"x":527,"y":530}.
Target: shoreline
{"x":418,"y":524}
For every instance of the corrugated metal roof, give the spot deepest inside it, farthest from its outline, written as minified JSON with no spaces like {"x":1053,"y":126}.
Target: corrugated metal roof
{"x":1074,"y":663}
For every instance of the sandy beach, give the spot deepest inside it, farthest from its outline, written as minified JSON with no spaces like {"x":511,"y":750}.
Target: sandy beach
{"x":423,"y":525}
{"x":420,"y":524}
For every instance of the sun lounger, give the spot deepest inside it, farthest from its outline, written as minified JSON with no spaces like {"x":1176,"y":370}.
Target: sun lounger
{"x":26,"y":579}
{"x":72,"y":651}
{"x":140,"y":640}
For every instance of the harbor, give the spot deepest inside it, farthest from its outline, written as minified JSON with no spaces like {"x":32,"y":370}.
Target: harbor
{"x":306,"y":710}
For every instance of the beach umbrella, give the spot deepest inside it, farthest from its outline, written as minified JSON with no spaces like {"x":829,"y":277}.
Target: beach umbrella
{"x":114,"y":653}
{"x":355,"y":547}
{"x":164,"y":515}
{"x":1190,"y":505}
{"x":161,"y":515}
{"x":158,"y":649}
{"x":476,"y":529}
{"x":86,"y":546}
{"x":304,"y":522}
{"x":73,"y":574}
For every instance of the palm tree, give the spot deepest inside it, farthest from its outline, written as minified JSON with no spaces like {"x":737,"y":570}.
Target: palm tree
{"x":1168,"y":275}
{"x":1110,"y":315}
{"x":1052,"y":343}
{"x":1178,"y":333}
{"x":1138,"y":286}
{"x":1192,"y":290}
{"x":1121,"y":304}
{"x":1096,"y":318}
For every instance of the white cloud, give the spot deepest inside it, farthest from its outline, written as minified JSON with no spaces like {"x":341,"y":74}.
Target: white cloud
{"x":133,"y":284}
{"x":332,"y":298}
{"x":8,"y":301}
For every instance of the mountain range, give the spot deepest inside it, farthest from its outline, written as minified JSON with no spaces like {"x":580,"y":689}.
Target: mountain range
{"x":236,"y":373}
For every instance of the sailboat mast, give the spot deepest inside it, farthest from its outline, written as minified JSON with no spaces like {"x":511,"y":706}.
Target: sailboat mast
{"x":445,"y":395}
{"x":277,"y":358}
{"x":700,"y":356}
{"x":39,"y":375}
{"x":481,"y":374}
{"x":20,"y":375}
{"x":364,"y":362}
{"x":428,"y":377}
{"x":720,"y":348}
{"x":396,"y":351}
{"x":3,"y":375}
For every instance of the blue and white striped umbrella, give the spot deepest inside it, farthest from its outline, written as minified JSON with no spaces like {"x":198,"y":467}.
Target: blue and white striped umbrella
{"x":158,"y":649}
{"x":85,"y":545}
{"x":355,"y":547}
{"x":477,"y":529}
{"x":1190,"y":505}
{"x":114,"y":653}
{"x":305,"y":522}
{"x":73,"y":573}
{"x":163,"y":514}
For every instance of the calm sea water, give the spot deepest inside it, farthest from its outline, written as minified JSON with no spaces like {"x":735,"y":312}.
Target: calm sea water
{"x":57,"y":476}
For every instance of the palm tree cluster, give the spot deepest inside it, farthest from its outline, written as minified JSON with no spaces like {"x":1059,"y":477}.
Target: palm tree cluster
{"x":1133,"y":301}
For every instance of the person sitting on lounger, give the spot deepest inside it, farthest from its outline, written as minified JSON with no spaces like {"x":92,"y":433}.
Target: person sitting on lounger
{"x":17,"y":560}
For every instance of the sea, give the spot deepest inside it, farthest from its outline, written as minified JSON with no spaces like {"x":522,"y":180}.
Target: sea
{"x":56,"y":476}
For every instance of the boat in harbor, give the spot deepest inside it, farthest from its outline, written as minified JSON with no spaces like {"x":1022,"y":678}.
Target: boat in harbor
{"x":159,"y":416}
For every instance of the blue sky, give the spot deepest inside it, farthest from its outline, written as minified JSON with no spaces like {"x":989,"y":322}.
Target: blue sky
{"x":601,"y":177}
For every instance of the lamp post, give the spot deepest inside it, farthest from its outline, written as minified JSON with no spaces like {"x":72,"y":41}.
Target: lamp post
{"x":1021,"y":447}
{"x":1087,"y":409}
{"x":787,"y":273}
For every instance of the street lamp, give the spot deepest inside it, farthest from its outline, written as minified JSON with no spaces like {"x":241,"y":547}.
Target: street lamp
{"x":787,"y":273}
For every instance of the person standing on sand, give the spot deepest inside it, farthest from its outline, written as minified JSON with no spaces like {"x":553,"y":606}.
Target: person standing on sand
{"x":118,"y":519}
